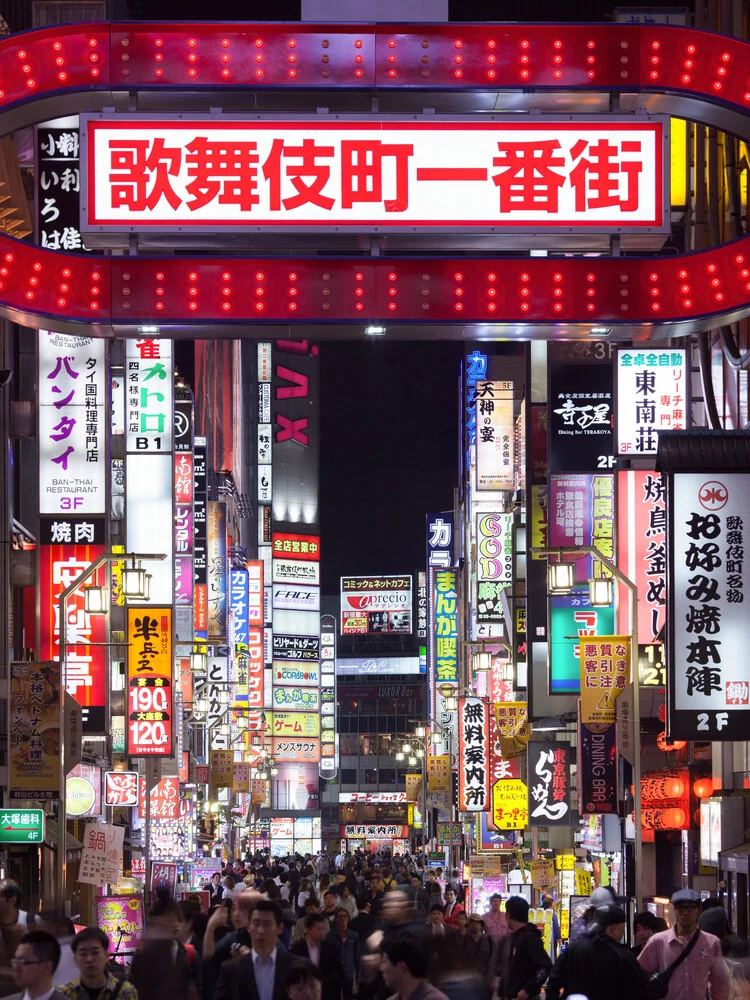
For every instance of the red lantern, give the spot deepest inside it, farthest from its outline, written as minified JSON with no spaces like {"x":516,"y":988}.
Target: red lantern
{"x":666,"y":745}
{"x":664,"y":819}
{"x":703,"y":787}
{"x":656,"y":786}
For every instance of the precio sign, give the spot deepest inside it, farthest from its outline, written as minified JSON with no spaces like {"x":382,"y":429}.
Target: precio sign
{"x":165,"y":173}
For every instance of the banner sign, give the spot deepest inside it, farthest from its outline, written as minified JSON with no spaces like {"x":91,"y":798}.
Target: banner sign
{"x":473,"y":755}
{"x":373,"y":831}
{"x":34,"y":730}
{"x":150,"y":683}
{"x":72,"y":429}
{"x":597,"y":769}
{"x":642,"y":548}
{"x":101,"y":857}
{"x":289,"y":546}
{"x":121,"y":788}
{"x":440,"y":539}
{"x":222,"y":768}
{"x":374,"y":605}
{"x":510,"y":805}
{"x":549,"y":784}
{"x":582,"y":512}
{"x":299,"y":750}
{"x":58,"y":172}
{"x":652,"y":396}
{"x":372,"y":798}
{"x":445,"y":612}
{"x":571,"y":618}
{"x":217,"y":571}
{"x":708,"y":689}
{"x":295,"y":597}
{"x":605,"y":670}
{"x":495,"y":445}
{"x":581,"y":438}
{"x":539,"y":173}
{"x":495,"y":548}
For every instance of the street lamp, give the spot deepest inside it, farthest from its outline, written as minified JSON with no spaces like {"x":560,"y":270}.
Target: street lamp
{"x":61,"y":865}
{"x":198,"y":660}
{"x":481,"y":662}
{"x":601,"y":592}
{"x":136,"y":582}
{"x":96,"y":600}
{"x":596,"y":555}
{"x":421,"y":732}
{"x":561,"y":576}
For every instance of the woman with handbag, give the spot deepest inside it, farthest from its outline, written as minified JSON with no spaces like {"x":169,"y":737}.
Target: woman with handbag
{"x":685,"y":963}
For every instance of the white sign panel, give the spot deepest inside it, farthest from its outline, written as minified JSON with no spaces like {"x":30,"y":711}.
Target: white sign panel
{"x":102,"y":853}
{"x":149,"y":519}
{"x":72,"y":426}
{"x":149,"y":407}
{"x":376,"y":605}
{"x":583,"y":174}
{"x":495,"y":548}
{"x":652,"y":396}
{"x":378,"y":666}
{"x":303,"y":674}
{"x":371,"y":798}
{"x":296,"y":597}
{"x":495,"y":445}
{"x":708,"y":667}
{"x":295,"y":571}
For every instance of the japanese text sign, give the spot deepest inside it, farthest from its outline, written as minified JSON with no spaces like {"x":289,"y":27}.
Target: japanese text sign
{"x":150,"y":682}
{"x":440,"y":539}
{"x":374,"y":605}
{"x":445,"y":615}
{"x":582,"y":512}
{"x":255,"y":615}
{"x":549,"y":783}
{"x":605,"y":673}
{"x":163,"y":173}
{"x":652,"y":393}
{"x":217,"y":571}
{"x":571,"y":618}
{"x":164,"y":876}
{"x":290,"y":546}
{"x":21,"y":826}
{"x":512,"y":723}
{"x":581,"y":417}
{"x":222,"y":768}
{"x":510,"y":805}
{"x":295,"y":724}
{"x":121,"y":919}
{"x":72,"y":428}
{"x":34,"y":735}
{"x":238,"y":606}
{"x":58,"y":174}
{"x":642,"y":547}
{"x":101,"y":857}
{"x":708,"y":671}
{"x":473,"y":749}
{"x":495,"y":548}
{"x":495,"y":435}
{"x":301,"y":750}
{"x":150,"y":390}
{"x":374,"y":831}
{"x":121,"y":788}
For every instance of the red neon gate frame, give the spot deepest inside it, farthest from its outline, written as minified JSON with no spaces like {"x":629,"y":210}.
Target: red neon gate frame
{"x":674,"y":70}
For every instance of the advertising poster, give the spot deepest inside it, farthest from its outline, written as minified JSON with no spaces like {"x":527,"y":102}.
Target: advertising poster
{"x":121,"y":919}
{"x":605,"y":672}
{"x":376,"y":605}
{"x":495,"y":435}
{"x":34,"y":730}
{"x":101,"y":858}
{"x":581,"y":437}
{"x":549,"y":779}
{"x":571,"y":620}
{"x":582,"y":512}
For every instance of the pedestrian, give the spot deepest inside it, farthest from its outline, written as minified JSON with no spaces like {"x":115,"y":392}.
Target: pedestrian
{"x":322,"y":954}
{"x":163,"y":967}
{"x":421,"y":896}
{"x":348,"y":902}
{"x":329,"y":908}
{"x":346,"y":943}
{"x":597,"y":965}
{"x":364,"y":924}
{"x":303,"y":981}
{"x":495,"y":922}
{"x":461,"y":926}
{"x":91,"y":953}
{"x":215,"y":889}
{"x":528,"y":964}
{"x":689,"y":958}
{"x":64,"y":930}
{"x":548,"y":903}
{"x":645,"y":925}
{"x":452,"y":908}
{"x":262,"y":974}
{"x":404,"y":966}
{"x":305,"y":891}
{"x":477,"y":946}
{"x":437,"y":927}
{"x":311,"y":906}
{"x":34,"y":965}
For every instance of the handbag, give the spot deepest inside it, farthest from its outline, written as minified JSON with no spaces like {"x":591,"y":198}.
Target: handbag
{"x":659,"y":981}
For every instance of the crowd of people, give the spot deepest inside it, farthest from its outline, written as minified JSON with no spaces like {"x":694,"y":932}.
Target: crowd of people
{"x":372,"y":927}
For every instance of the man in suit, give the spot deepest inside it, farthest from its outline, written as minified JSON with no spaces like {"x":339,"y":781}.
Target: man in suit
{"x":262,"y":974}
{"x":34,"y":965}
{"x":323,"y":955}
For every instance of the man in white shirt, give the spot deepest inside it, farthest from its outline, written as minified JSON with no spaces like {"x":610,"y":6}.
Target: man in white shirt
{"x":34,"y":965}
{"x":261,"y":974}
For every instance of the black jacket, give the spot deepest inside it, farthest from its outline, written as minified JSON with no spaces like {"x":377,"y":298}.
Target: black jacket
{"x":237,"y":978}
{"x":600,"y":969}
{"x":529,"y":963}
{"x":477,"y":954}
{"x":330,"y":967}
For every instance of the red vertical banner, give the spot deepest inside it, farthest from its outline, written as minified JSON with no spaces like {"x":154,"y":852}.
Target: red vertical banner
{"x":86,"y":664}
{"x":473,"y":755}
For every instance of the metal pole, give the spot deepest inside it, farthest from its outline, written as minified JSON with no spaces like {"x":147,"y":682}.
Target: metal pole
{"x":588,"y":550}
{"x":61,"y":868}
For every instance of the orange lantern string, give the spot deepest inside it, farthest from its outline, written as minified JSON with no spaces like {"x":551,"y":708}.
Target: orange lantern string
{"x":666,"y":745}
{"x":703,"y":787}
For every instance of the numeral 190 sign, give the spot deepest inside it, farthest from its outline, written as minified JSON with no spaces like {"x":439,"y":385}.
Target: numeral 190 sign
{"x":150,"y":683}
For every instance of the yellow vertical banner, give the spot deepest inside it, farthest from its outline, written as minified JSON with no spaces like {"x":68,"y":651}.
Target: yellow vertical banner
{"x":413,"y":787}
{"x":240,"y":777}
{"x":605,"y":672}
{"x":222,"y":768}
{"x":34,"y":735}
{"x":583,"y":882}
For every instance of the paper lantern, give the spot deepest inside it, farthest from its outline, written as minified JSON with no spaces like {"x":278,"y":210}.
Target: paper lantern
{"x":656,"y":786}
{"x":666,"y":745}
{"x":673,"y":818}
{"x":703,"y":788}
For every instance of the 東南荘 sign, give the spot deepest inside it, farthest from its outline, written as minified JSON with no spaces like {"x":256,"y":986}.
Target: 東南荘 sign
{"x":166,"y":172}
{"x":21,"y":826}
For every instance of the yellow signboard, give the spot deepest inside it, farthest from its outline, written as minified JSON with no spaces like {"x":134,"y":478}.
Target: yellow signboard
{"x":240,"y":777}
{"x":605,"y":672}
{"x":34,"y":730}
{"x":413,"y":787}
{"x":510,"y":804}
{"x":565,"y":862}
{"x":259,"y":791}
{"x":439,"y":773}
{"x":296,"y":725}
{"x":222,"y":768}
{"x":583,"y":882}
{"x":512,"y":719}
{"x":542,"y":873}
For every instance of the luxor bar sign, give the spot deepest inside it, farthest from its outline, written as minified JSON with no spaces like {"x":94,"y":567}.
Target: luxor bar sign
{"x":163,"y":173}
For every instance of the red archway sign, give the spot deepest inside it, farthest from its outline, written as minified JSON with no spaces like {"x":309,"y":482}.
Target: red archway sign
{"x":81,"y":67}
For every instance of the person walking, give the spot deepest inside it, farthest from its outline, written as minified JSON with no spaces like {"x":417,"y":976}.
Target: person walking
{"x":452,"y":908}
{"x":34,"y":964}
{"x":322,"y":954}
{"x":645,"y":925}
{"x":403,"y":966}
{"x":346,"y":943}
{"x":262,"y":974}
{"x":528,"y":964}
{"x":701,"y":971}
{"x":476,"y":946}
{"x":597,"y":965}
{"x":495,"y":921}
{"x":91,"y":954}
